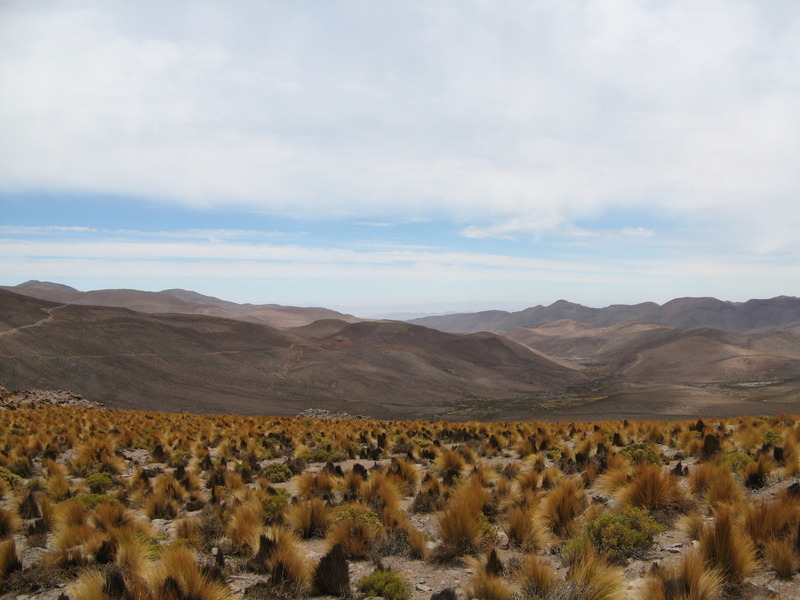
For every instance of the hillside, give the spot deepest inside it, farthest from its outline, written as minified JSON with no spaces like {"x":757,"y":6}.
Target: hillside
{"x":178,"y":301}
{"x":206,"y":364}
{"x":682,"y":313}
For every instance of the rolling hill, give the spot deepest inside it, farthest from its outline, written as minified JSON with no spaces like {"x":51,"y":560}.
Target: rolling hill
{"x":205,"y":364}
{"x":178,"y":301}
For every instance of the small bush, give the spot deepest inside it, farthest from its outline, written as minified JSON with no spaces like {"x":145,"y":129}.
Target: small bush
{"x":641,"y":453}
{"x":624,"y":534}
{"x":98,"y":483}
{"x":93,"y":500}
{"x":274,"y":505}
{"x":277,"y":473}
{"x":12,"y":479}
{"x":384,"y":583}
{"x":737,"y":460}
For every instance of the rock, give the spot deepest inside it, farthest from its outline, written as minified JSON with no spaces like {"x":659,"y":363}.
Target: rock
{"x":710,"y":446}
{"x":445,"y":594}
{"x":493,"y":564}
{"x":321,"y":413}
{"x":42,"y":398}
{"x":423,"y":588}
{"x":502,"y":540}
{"x":332,"y":575}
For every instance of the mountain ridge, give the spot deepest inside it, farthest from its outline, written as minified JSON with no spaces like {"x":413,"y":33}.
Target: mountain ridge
{"x":683,"y":313}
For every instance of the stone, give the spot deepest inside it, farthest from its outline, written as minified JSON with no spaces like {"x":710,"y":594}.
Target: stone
{"x":332,"y":575}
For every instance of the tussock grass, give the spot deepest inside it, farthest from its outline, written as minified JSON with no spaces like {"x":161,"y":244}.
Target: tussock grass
{"x":686,"y":579}
{"x":561,"y":507}
{"x":9,"y":523}
{"x":309,"y":518}
{"x":725,"y":547}
{"x":780,"y":556}
{"x":524,"y":530}
{"x":654,"y":489}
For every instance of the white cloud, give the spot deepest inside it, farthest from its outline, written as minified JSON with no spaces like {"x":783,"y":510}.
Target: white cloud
{"x":509,"y":118}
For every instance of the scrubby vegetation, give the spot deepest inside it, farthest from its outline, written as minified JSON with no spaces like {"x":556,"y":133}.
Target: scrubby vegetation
{"x":115,"y":504}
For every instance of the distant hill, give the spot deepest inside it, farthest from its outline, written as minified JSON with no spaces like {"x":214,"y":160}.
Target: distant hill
{"x":201,"y":363}
{"x":179,"y":302}
{"x":683,"y":313}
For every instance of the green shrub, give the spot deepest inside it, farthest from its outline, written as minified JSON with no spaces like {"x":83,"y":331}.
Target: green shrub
{"x":737,"y":460}
{"x":639,"y":453}
{"x":12,"y":479}
{"x":276,"y":472}
{"x":93,"y":500}
{"x":274,"y":505}
{"x":321,"y":454}
{"x":179,"y":457}
{"x":618,"y":536}
{"x":98,"y":483}
{"x":348,"y":513}
{"x":420,"y":441}
{"x":386,"y":584}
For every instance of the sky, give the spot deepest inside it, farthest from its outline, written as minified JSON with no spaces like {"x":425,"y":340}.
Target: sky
{"x":403,"y":157}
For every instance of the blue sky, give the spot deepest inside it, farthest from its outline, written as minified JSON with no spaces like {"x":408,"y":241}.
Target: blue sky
{"x":403,"y":157}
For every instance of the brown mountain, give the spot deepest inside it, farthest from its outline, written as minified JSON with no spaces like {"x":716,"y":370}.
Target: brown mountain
{"x":178,"y":301}
{"x":682,"y":313}
{"x":207,"y":364}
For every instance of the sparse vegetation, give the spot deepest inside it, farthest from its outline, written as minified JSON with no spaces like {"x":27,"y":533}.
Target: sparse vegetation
{"x":205,"y":500}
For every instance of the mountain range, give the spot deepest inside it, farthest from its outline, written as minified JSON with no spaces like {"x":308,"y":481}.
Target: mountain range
{"x":682,"y":313}
{"x":182,"y":351}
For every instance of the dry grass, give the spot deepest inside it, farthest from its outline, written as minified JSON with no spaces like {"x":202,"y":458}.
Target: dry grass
{"x":780,"y":556}
{"x":654,"y":489}
{"x":725,"y":547}
{"x":686,"y":579}
{"x":524,"y":530}
{"x":561,"y":507}
{"x":210,"y":464}
{"x":309,"y":518}
{"x":597,"y":579}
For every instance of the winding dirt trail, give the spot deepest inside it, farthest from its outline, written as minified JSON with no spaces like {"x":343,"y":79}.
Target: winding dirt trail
{"x":48,"y":319}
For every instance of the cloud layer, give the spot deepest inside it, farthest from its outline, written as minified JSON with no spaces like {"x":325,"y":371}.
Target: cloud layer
{"x":498,"y":112}
{"x":669,"y":124}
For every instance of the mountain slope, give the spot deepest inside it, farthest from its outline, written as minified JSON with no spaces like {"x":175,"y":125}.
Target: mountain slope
{"x":207,"y":364}
{"x":178,"y":302}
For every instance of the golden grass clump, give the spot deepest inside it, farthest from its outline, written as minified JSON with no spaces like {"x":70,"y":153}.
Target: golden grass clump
{"x":177,"y":575}
{"x":462,"y":524}
{"x":285,"y":562}
{"x":654,"y":489}
{"x":9,"y":523}
{"x":245,"y":526}
{"x":489,"y":586}
{"x":535,"y":578}
{"x":357,"y":529}
{"x":767,"y":520}
{"x":596,"y":578}
{"x":725,"y":547}
{"x":309,"y":518}
{"x":687,"y":579}
{"x":89,"y":586}
{"x":780,"y":556}
{"x":9,"y":559}
{"x":561,"y":507}
{"x":524,"y":530}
